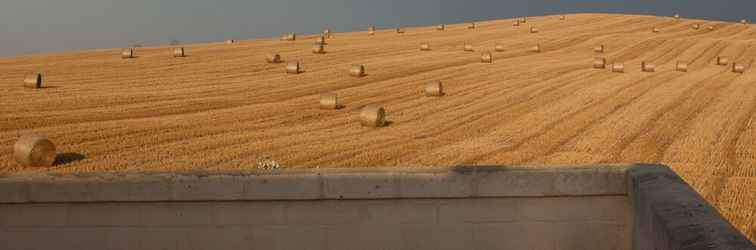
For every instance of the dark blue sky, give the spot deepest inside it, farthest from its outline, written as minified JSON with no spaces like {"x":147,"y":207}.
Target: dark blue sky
{"x":34,"y":26}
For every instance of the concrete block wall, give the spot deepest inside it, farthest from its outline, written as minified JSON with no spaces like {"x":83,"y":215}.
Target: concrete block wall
{"x":482,"y":207}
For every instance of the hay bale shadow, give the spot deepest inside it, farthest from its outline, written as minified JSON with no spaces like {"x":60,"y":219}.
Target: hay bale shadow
{"x":66,"y":158}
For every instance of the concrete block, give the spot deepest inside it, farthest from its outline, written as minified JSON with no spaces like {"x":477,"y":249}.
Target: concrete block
{"x":224,"y":237}
{"x":309,"y":237}
{"x":61,"y":191}
{"x":535,"y":236}
{"x":177,"y":214}
{"x":590,"y":182}
{"x":364,"y":237}
{"x":102,"y":214}
{"x":399,"y":211}
{"x":123,"y":238}
{"x":163,"y":239}
{"x":13,"y":192}
{"x":455,"y":211}
{"x":434,"y":236}
{"x":208,"y":188}
{"x":436,"y":185}
{"x":250,"y":213}
{"x":283,"y":187}
{"x":151,"y":189}
{"x":360,"y":186}
{"x":590,"y":208}
{"x":591,"y":236}
{"x":26,"y":215}
{"x":514,"y":183}
{"x":327,"y":212}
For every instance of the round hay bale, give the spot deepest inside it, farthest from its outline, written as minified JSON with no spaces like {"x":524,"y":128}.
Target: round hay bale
{"x":471,"y":26}
{"x":599,"y":63}
{"x":738,"y":68}
{"x":357,"y":70}
{"x":599,"y":49}
{"x":722,"y":61}
{"x":127,"y":53}
{"x":441,"y":27}
{"x":399,"y":31}
{"x":435,"y":88}
{"x":33,"y":81}
{"x":562,"y":17}
{"x":371,"y":30}
{"x":468,"y":48}
{"x":618,"y":68}
{"x":656,"y":30}
{"x":499,"y":48}
{"x":178,"y":52}
{"x":318,"y":49}
{"x":34,"y":151}
{"x":425,"y":47}
{"x":695,"y":26}
{"x":681,"y":66}
{"x":294,"y":68}
{"x":647,"y":67}
{"x":273,"y":58}
{"x":516,"y":23}
{"x":486,"y":57}
{"x":536,"y":48}
{"x":320,"y":40}
{"x":373,"y":116}
{"x":329,"y":101}
{"x":533,"y":29}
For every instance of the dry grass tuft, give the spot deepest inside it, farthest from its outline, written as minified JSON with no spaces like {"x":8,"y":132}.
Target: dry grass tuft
{"x":499,"y":48}
{"x":468,"y":48}
{"x":425,"y":47}
{"x":267,"y":164}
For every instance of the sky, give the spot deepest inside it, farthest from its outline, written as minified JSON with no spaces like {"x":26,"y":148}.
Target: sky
{"x":40,"y":26}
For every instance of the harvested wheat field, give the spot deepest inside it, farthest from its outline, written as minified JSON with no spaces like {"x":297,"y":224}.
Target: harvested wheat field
{"x":225,"y":107}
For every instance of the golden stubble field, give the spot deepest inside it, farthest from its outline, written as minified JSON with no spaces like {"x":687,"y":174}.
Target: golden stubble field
{"x":224,"y":107}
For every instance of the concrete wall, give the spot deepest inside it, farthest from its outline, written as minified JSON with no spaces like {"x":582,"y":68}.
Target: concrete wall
{"x":482,"y":207}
